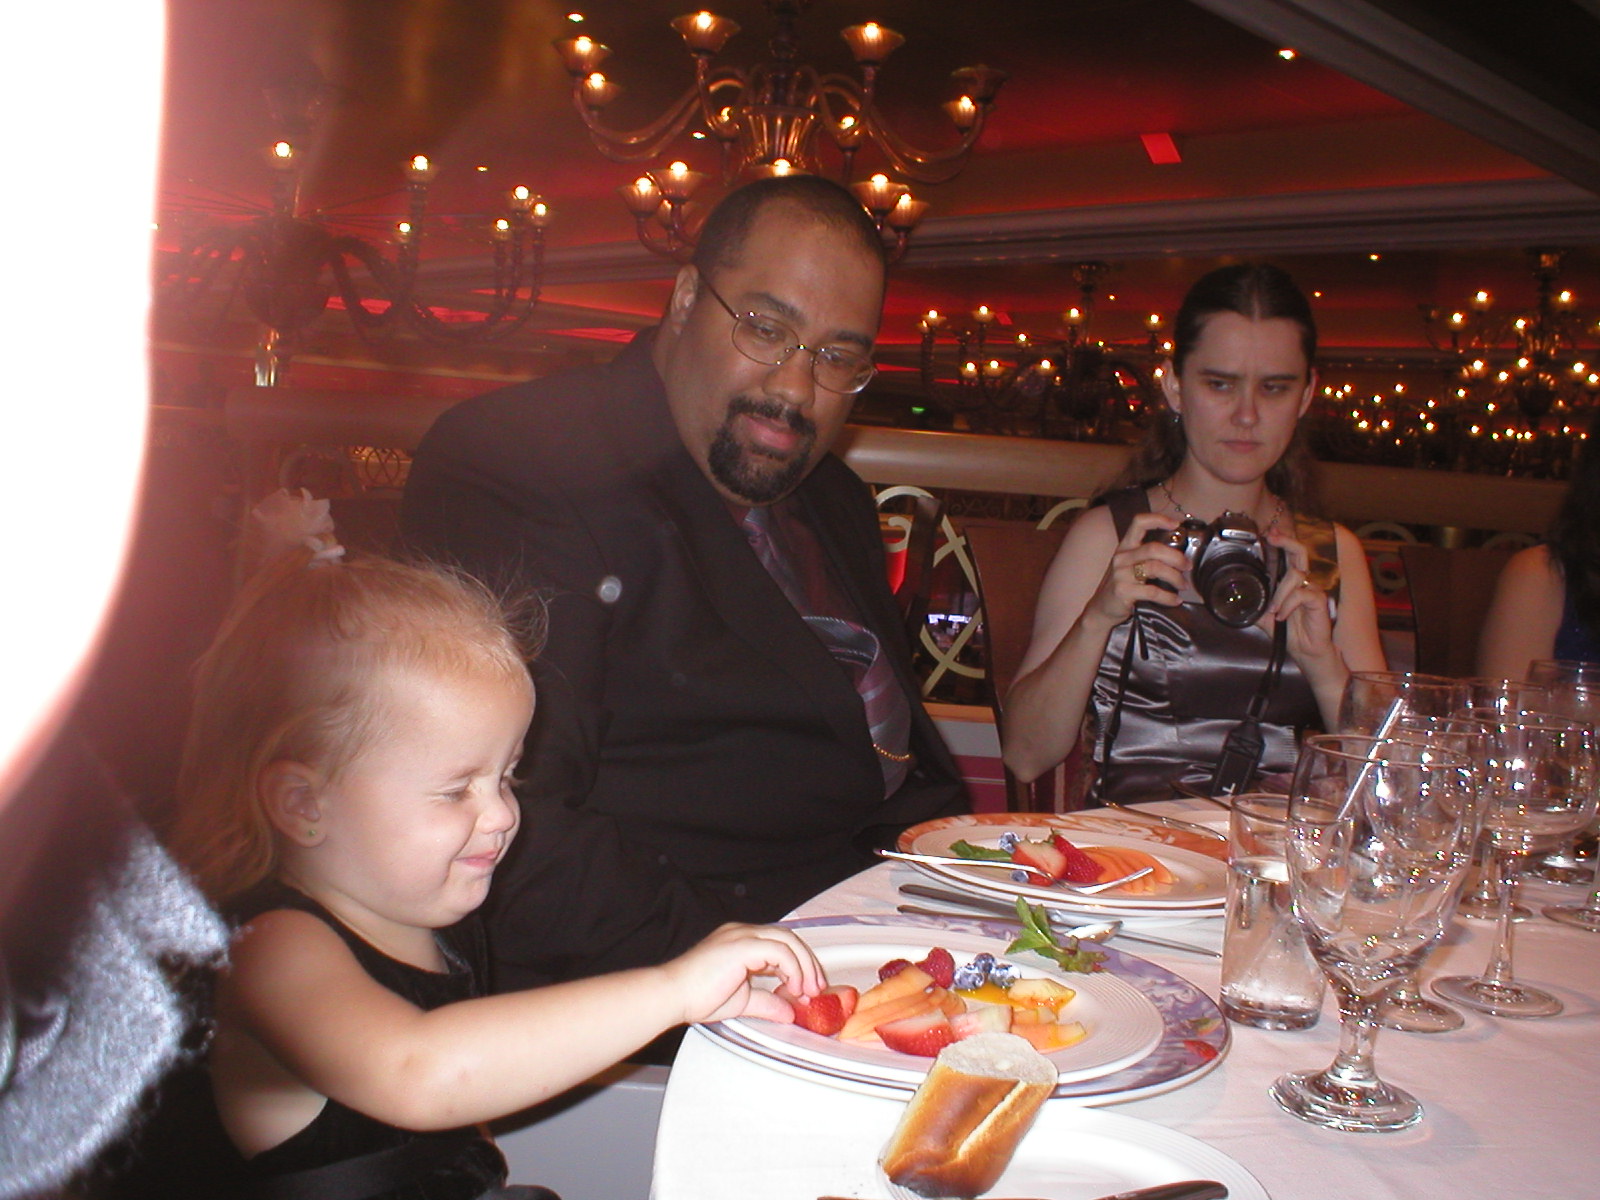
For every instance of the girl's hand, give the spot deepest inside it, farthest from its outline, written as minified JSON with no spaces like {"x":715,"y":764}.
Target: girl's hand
{"x":1305,"y":607}
{"x":714,"y":977}
{"x":1135,"y":568}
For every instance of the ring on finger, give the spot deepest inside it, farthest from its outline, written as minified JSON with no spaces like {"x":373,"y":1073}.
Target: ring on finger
{"x":1140,"y":575}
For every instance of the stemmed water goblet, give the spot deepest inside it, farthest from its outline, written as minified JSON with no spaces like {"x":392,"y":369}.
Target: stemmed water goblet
{"x":1574,"y":691}
{"x":1538,"y":785}
{"x":1405,"y":703}
{"x":1481,"y":902}
{"x":1380,"y":833}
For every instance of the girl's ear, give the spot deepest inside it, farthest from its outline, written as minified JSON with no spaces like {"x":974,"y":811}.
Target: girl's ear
{"x":1309,"y":394}
{"x":291,"y":797}
{"x":1170,"y":389}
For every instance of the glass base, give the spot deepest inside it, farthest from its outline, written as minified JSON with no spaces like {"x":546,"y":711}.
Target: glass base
{"x":1578,"y":916}
{"x":1418,"y":1014}
{"x":1498,"y":1000}
{"x":1559,"y":868}
{"x":1262,"y":1018}
{"x":1313,"y":1096}
{"x":1478,"y":909}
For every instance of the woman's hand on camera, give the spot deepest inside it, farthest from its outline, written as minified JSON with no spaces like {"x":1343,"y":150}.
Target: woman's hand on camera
{"x":1304,"y":606}
{"x":1138,"y":569}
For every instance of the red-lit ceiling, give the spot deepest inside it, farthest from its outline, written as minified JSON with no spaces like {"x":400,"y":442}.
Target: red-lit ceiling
{"x":1290,"y":159}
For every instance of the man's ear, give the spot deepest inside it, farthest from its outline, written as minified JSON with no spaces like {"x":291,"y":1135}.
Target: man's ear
{"x":685,"y":291}
{"x":291,"y":797}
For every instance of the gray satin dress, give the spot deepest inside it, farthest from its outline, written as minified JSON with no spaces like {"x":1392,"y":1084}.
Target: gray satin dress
{"x":1192,"y":685}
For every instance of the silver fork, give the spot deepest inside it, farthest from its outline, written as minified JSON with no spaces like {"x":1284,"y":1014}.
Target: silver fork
{"x":1090,"y":889}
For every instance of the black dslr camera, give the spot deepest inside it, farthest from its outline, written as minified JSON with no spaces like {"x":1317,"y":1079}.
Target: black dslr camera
{"x":1227,"y":566}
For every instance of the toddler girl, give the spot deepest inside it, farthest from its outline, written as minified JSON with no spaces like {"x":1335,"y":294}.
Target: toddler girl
{"x":346,"y":793}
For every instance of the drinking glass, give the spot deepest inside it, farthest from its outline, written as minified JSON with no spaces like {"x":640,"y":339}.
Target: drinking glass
{"x":1380,"y":703}
{"x":1381,"y":831}
{"x":1574,"y":692}
{"x":1538,"y":786}
{"x":1482,"y":901}
{"x":1404,"y":1007}
{"x":1373,"y":697}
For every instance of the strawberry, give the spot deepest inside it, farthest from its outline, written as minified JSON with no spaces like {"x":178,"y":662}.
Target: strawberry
{"x":1079,"y":867}
{"x":893,"y":967}
{"x":940,"y":965}
{"x":924,"y":1035}
{"x":1204,"y":1051}
{"x":1042,"y":855}
{"x":827,"y":1011}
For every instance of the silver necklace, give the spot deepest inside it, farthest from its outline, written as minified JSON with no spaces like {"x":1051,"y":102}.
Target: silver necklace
{"x":1272,"y":523}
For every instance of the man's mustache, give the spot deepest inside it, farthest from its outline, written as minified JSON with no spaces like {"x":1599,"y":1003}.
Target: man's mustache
{"x":772,"y":410}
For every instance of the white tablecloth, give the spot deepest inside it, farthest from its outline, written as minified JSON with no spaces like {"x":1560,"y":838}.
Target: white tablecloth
{"x":1511,"y":1106}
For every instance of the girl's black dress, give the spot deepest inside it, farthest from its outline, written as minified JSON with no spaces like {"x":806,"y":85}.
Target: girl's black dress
{"x":345,"y":1155}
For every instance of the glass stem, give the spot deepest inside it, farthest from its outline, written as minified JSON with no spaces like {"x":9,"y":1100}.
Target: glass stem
{"x":1358,"y":1031}
{"x":1498,"y":973}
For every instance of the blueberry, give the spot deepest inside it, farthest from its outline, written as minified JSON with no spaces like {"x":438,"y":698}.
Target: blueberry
{"x":983,"y":961}
{"x":1008,"y":841}
{"x":968,"y":978}
{"x":1004,"y":974}
{"x":1020,"y":877}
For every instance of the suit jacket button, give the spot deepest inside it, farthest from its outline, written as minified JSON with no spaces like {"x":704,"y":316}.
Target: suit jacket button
{"x":741,"y":890}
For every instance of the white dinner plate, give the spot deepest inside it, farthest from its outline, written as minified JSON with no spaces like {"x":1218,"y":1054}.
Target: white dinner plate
{"x":1200,"y":882}
{"x":1123,"y":1023}
{"x":827,"y":1143}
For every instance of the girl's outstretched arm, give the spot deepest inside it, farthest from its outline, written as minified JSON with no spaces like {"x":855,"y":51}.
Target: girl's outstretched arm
{"x":295,"y":989}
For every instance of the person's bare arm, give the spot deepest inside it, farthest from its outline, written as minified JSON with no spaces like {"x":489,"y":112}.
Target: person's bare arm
{"x":1087,"y":592}
{"x":1523,"y":617}
{"x":296,"y":989}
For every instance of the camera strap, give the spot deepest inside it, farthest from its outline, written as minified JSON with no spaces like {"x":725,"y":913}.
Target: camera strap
{"x":1244,"y":745}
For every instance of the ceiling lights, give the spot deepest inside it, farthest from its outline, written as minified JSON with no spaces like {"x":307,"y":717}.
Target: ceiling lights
{"x":772,"y":118}
{"x":1073,"y":386}
{"x":289,"y":266}
{"x":1542,"y":360}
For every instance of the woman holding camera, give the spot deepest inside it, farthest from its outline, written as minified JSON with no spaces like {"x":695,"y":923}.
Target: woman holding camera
{"x":1197,"y":609}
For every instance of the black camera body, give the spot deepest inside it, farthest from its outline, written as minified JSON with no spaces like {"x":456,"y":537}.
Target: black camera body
{"x":1227,"y":566}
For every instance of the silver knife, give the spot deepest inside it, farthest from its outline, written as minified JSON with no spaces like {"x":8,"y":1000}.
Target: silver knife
{"x":1009,"y":912}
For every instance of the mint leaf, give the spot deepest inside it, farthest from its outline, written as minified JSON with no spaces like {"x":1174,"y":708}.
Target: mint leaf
{"x":965,"y":849}
{"x":1038,"y":937}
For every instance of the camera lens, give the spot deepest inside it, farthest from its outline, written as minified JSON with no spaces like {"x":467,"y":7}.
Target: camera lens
{"x":1236,"y":593}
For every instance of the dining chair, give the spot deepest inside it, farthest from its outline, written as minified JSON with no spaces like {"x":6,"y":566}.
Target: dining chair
{"x":1009,"y":560}
{"x":1450,"y":594}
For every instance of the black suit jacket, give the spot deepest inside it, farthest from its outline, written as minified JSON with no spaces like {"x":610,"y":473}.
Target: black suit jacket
{"x":697,"y":755}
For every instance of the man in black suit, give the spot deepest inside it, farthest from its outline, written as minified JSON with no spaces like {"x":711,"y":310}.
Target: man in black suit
{"x":727,"y":720}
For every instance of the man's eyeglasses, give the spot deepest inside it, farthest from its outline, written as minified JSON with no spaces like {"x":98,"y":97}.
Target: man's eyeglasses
{"x":772,"y":343}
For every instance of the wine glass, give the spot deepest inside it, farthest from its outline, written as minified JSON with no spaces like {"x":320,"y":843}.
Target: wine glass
{"x":1574,"y":689}
{"x":1538,"y":786}
{"x":1379,"y":703}
{"x":1404,"y":1007}
{"x":1373,"y":697}
{"x":1380,"y":833}
{"x":1482,"y":901}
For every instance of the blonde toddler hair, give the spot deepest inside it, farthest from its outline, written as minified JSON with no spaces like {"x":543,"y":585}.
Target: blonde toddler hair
{"x":291,"y":676}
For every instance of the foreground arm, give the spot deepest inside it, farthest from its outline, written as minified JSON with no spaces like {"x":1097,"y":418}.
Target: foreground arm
{"x":1524,"y":615}
{"x":296,"y":989}
{"x":1088,"y":591}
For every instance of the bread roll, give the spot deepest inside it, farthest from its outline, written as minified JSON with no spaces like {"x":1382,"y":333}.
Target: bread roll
{"x":965,"y":1121}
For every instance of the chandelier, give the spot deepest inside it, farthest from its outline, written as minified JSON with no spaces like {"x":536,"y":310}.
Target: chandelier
{"x":288,"y":266}
{"x":1527,"y":365}
{"x":769,"y":119}
{"x":1072,"y":386}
